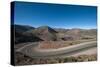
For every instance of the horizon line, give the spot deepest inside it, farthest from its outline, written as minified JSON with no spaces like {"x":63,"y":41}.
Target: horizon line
{"x":56,"y":27}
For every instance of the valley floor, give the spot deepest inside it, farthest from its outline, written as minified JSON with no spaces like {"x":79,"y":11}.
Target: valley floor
{"x":27,"y":52}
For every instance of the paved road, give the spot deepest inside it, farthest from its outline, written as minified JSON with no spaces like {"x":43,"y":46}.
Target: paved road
{"x":78,"y":49}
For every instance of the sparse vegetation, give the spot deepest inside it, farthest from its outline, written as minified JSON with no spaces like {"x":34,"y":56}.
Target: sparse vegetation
{"x":51,"y":38}
{"x":45,"y":33}
{"x":21,"y":59}
{"x":59,"y":44}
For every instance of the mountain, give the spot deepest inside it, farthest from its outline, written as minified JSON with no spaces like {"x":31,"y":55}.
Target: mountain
{"x":68,"y":34}
{"x":22,"y":28}
{"x":90,"y":32}
{"x":76,"y":34}
{"x":45,"y":33}
{"x":49,"y":29}
{"x":61,"y":30}
{"x":20,"y":37}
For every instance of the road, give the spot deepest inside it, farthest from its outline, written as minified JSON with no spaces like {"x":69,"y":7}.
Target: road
{"x":79,"y":49}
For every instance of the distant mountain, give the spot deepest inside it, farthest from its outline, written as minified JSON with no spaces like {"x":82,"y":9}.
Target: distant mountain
{"x":46,"y":28}
{"x":61,"y":30}
{"x":68,"y":34}
{"x":90,"y":32}
{"x":20,"y":37}
{"x":44,"y":32}
{"x":76,"y":33}
{"x":22,"y":28}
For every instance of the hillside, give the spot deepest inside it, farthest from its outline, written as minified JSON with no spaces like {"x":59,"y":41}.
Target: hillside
{"x":21,"y":38}
{"x":77,"y":34}
{"x":46,"y":33}
{"x":22,"y":28}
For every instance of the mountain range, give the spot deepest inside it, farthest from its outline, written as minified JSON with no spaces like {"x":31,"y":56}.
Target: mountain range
{"x":25,"y":33}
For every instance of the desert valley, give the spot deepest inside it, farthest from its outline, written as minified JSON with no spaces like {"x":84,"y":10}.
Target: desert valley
{"x":45,"y":44}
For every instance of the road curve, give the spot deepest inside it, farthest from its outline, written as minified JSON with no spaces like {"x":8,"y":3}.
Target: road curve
{"x":32,"y":50}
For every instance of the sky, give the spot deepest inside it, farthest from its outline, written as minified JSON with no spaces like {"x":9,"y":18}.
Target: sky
{"x":54,"y":15}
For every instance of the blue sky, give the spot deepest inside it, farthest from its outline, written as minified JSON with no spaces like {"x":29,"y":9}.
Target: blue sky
{"x":54,"y":15}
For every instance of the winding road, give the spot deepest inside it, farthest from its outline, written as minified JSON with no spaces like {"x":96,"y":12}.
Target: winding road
{"x":79,"y":49}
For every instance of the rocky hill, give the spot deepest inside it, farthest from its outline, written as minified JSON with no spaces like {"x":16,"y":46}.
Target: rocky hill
{"x":46,"y":33}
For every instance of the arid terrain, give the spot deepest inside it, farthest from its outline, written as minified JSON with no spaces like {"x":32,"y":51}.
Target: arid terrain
{"x":46,"y":45}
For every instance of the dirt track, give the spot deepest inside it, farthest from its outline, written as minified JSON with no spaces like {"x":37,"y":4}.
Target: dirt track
{"x":79,"y":49}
